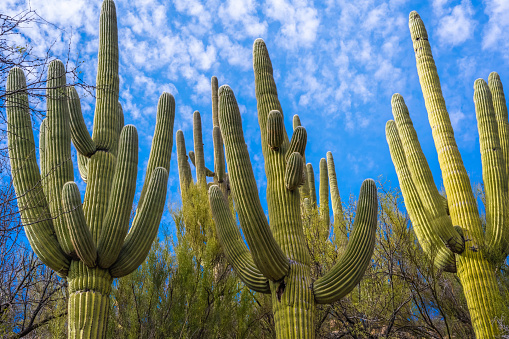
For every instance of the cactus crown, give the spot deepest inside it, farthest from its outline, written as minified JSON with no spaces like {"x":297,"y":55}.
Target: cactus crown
{"x":59,"y":227}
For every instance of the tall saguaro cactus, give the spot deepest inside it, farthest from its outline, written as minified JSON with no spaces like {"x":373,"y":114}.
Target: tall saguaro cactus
{"x":464,"y":248}
{"x":197,"y":156}
{"x":278,"y":261}
{"x":89,"y":244}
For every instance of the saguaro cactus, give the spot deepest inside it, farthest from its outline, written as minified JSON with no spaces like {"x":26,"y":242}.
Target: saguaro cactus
{"x":88,"y":244}
{"x":197,"y":156}
{"x":278,"y":261}
{"x":464,"y":248}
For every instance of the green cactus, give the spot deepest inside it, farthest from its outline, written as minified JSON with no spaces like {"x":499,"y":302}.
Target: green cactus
{"x":197,"y":156}
{"x":278,"y":261}
{"x":89,"y":244}
{"x":464,"y":248}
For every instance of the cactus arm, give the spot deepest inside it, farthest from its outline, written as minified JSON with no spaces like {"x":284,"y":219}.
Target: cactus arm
{"x":105,"y":131}
{"x":432,"y":245}
{"x":311,"y":183}
{"x":347,"y":273}
{"x":304,"y":189}
{"x":456,"y":181}
{"x":324,"y":198}
{"x":267,"y":255}
{"x":185,"y":175}
{"x":296,"y":122}
{"x":101,"y":169}
{"x":235,"y":249}
{"x":58,"y":150}
{"x":116,"y":222}
{"x":275,"y":130}
{"x":340,"y":231}
{"x":79,"y":133}
{"x":219,"y":165}
{"x":78,"y":229}
{"x":298,"y":142}
{"x":145,"y":225}
{"x":199,"y":161}
{"x":33,"y":207}
{"x":294,"y":171}
{"x":83,"y":167}
{"x":219,"y":161}
{"x":422,"y":177}
{"x":494,"y":174}
{"x":283,"y":205}
{"x":162,"y":142}
{"x":500,"y":106}
{"x":42,"y":146}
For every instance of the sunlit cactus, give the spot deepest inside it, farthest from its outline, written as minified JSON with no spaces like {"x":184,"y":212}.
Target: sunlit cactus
{"x":456,"y":243}
{"x":278,"y":261}
{"x":89,"y":244}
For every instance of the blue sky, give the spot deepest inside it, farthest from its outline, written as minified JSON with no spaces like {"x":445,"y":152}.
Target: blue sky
{"x":337,"y":64}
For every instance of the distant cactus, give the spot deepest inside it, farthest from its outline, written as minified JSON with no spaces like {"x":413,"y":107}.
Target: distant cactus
{"x":278,"y":261}
{"x":197,"y":156}
{"x":464,"y":248}
{"x":88,"y":244}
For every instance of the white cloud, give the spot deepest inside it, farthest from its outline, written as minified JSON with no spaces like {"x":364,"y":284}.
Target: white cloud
{"x":458,"y":26}
{"x":496,"y":30}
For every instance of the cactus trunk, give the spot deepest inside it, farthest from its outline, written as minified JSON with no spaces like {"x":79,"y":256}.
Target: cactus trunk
{"x":89,"y":301}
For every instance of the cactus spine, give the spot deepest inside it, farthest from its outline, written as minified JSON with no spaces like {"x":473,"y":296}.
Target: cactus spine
{"x":475,"y":264}
{"x":278,"y":261}
{"x":89,"y":244}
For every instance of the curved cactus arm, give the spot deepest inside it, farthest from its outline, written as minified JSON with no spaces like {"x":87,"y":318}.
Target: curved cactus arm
{"x":311,"y":183}
{"x":105,"y":131}
{"x":79,"y":133}
{"x":234,"y":247}
{"x":456,"y":180}
{"x":494,"y":174}
{"x":145,"y":225}
{"x":185,"y":175}
{"x":58,"y":149}
{"x":78,"y":229}
{"x":422,"y":177}
{"x":298,"y":142}
{"x":32,"y":204}
{"x":162,"y":142}
{"x":432,"y":245}
{"x":83,"y":167}
{"x":192,"y":157}
{"x":501,"y":115}
{"x":324,"y":197}
{"x":116,"y":222}
{"x":294,"y":173}
{"x":304,"y":189}
{"x":267,"y":255}
{"x":275,"y":129}
{"x":42,"y":146}
{"x":347,"y":273}
{"x":101,"y":169}
{"x":296,"y":121}
{"x":340,"y":231}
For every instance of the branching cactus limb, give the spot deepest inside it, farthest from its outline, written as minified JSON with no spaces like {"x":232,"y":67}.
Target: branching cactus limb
{"x":476,"y":264}
{"x":279,"y":252}
{"x":89,"y":243}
